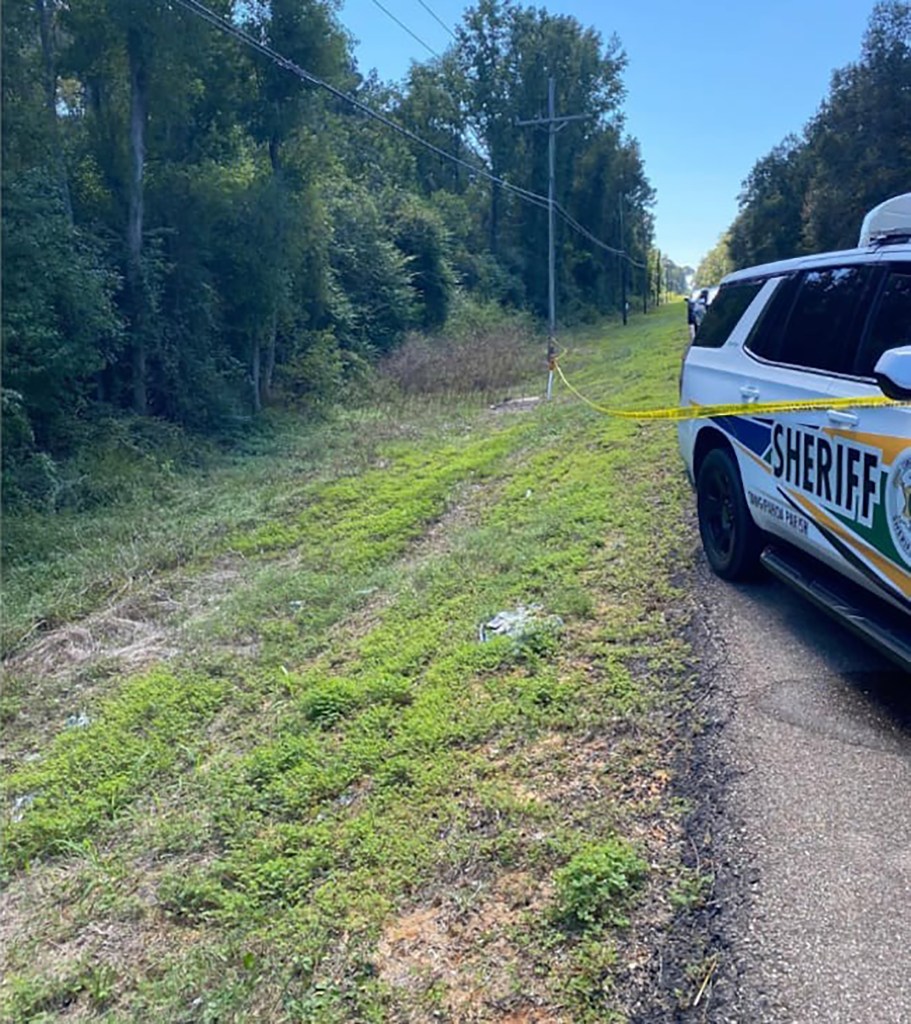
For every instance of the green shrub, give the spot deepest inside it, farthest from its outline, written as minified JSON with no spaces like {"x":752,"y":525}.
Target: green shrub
{"x":313,"y":376}
{"x":597,"y":885}
{"x":190,"y":897}
{"x":329,"y":702}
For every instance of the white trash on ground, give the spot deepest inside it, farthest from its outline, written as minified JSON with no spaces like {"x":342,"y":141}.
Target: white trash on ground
{"x":523,"y":621}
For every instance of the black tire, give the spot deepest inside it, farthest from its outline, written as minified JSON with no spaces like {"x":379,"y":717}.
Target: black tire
{"x":731,"y":540}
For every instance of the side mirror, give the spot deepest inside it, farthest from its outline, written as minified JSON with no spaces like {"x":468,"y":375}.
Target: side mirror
{"x":893,"y":373}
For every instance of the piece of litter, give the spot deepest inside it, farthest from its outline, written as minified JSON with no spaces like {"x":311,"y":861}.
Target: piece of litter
{"x":512,"y":624}
{"x":295,"y":604}
{"x":518,"y":624}
{"x":366,"y":591}
{"x":516,"y":404}
{"x":528,"y":493}
{"x":79,"y":721}
{"x":20,"y":805}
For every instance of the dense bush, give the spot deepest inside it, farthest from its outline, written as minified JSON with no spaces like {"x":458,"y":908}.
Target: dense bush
{"x":482,"y":349}
{"x":598,"y":884}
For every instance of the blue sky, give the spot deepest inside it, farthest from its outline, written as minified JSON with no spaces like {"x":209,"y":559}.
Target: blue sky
{"x":710,"y":87}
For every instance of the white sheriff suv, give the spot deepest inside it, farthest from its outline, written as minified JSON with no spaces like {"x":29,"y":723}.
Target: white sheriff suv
{"x":821,"y":497}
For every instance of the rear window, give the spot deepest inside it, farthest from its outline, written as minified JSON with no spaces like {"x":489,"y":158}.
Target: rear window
{"x":891,"y":325}
{"x":724,"y":313}
{"x":823,"y":330}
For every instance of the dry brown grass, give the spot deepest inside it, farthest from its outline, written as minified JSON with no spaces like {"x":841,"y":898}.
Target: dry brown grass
{"x":489,"y":361}
{"x":65,"y":670}
{"x":468,"y":952}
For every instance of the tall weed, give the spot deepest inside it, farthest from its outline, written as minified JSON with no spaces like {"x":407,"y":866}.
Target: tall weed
{"x":482,"y":349}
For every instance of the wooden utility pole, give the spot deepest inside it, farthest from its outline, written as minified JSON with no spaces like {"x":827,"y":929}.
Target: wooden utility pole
{"x":620,"y":198}
{"x":553,"y":124}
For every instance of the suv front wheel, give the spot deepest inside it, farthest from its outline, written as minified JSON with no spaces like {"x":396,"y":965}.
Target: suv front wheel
{"x":732,"y":541}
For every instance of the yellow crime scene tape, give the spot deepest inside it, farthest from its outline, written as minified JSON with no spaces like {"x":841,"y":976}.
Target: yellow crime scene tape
{"x":699,"y":412}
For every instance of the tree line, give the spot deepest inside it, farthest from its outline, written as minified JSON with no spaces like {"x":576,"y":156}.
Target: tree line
{"x":190,"y":232}
{"x":811,"y":192}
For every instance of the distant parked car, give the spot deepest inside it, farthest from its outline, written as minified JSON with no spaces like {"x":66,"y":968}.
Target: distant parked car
{"x":697,"y":303}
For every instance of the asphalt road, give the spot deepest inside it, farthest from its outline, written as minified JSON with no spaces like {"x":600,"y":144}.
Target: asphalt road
{"x":814,"y":835}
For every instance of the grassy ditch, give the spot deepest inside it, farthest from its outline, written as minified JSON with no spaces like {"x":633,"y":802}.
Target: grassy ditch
{"x":321,"y":797}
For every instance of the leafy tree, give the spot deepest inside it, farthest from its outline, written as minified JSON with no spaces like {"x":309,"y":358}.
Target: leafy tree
{"x":60,"y":326}
{"x":811,"y":192}
{"x":430,"y":106}
{"x":304,"y":31}
{"x":677,"y":278}
{"x":421,"y":237}
{"x":372,"y":302}
{"x":190,"y":231}
{"x":716,"y":263}
{"x":770,"y":224}
{"x":137,"y":67}
{"x":506,"y":55}
{"x":859,"y":144}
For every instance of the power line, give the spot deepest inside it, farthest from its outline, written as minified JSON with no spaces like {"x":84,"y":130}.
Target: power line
{"x":573,"y":223}
{"x":197,"y":7}
{"x":434,"y":15}
{"x":242,"y":36}
{"x":478,"y":144}
{"x":405,"y":28}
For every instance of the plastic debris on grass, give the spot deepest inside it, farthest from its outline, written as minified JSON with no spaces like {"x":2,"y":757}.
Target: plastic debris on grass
{"x":20,"y":805}
{"x":522,"y":623}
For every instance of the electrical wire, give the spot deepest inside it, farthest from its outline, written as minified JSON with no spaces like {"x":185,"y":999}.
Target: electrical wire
{"x":242,"y":36}
{"x":573,"y":223}
{"x":197,"y":7}
{"x":478,"y":145}
{"x":405,"y":28}
{"x":434,"y":15}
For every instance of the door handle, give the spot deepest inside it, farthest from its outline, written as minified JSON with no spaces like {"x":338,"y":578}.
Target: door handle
{"x":749,"y":393}
{"x":843,"y":419}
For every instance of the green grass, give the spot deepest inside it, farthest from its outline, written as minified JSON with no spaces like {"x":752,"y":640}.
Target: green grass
{"x":334,"y":755}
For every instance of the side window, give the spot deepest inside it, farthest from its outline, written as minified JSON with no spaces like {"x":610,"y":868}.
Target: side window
{"x":725,"y":312}
{"x":891,"y":326}
{"x":823,"y":330}
{"x":765,"y":337}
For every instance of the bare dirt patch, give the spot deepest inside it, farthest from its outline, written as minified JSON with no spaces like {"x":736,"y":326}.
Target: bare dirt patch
{"x":560,"y":770}
{"x":468,"y":957}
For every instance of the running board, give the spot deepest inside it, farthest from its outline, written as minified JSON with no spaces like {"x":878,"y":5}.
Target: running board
{"x":875,"y":621}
